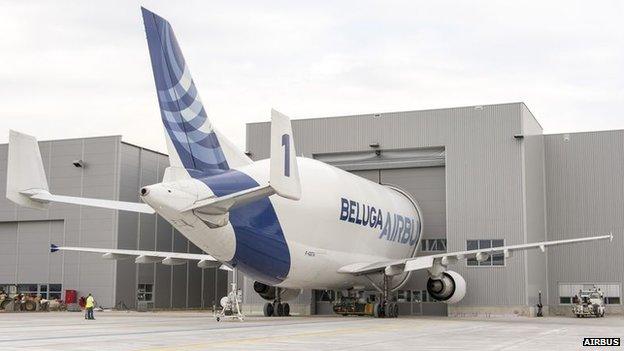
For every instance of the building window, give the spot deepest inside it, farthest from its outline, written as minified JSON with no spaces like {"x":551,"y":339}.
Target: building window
{"x":612,"y":300}
{"x":428,"y":245}
{"x":27,"y":289}
{"x":404,"y":296}
{"x":47,"y":291}
{"x":422,"y":296}
{"x":563,"y":300}
{"x":610,"y":292}
{"x":495,"y":259}
{"x":145,"y":292}
{"x":55,"y":291}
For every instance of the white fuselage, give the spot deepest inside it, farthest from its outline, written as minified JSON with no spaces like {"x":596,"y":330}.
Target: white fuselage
{"x":341,"y":219}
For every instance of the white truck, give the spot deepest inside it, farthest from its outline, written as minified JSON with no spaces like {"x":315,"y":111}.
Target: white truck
{"x":589,"y":303}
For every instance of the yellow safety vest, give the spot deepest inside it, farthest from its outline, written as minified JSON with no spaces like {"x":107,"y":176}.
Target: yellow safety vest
{"x":90,"y":301}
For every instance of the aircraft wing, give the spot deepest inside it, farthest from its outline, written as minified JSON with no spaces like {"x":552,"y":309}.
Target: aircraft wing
{"x":393,"y":267}
{"x":143,"y":256}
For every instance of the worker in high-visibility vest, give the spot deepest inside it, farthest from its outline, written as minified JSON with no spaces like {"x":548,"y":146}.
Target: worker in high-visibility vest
{"x":89,"y":307}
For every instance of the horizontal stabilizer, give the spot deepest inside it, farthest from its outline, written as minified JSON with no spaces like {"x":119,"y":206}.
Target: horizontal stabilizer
{"x":44,"y":196}
{"x":283,"y":179}
{"x":27,"y":184}
{"x":223,"y":204}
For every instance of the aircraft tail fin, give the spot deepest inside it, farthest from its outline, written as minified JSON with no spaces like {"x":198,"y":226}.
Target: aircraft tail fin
{"x":24,"y":170}
{"x":192,"y":142}
{"x":284,"y":174}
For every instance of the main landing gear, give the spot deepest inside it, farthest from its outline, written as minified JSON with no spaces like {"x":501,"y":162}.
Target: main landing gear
{"x":385,"y":307}
{"x":277,"y":308}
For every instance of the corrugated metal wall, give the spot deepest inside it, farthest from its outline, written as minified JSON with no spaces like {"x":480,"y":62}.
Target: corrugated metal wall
{"x":113,"y":170}
{"x":66,"y":224}
{"x":585,"y":196}
{"x":534,"y":207}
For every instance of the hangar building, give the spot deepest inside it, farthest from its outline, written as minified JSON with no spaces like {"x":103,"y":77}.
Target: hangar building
{"x":106,"y":168}
{"x":483,"y":175}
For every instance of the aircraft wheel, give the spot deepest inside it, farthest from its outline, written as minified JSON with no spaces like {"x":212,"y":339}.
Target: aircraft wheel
{"x":268,"y":309}
{"x":286,"y":309}
{"x":30,"y":306}
{"x":279,"y":309}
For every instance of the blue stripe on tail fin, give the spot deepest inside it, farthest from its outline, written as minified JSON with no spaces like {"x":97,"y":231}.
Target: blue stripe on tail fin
{"x":184,"y":117}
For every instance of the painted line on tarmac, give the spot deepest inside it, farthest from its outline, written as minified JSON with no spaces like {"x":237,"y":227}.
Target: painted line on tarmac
{"x":532,"y":339}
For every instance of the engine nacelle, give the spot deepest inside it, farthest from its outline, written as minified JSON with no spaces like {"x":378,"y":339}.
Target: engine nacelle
{"x":267,"y":292}
{"x":450,"y":287}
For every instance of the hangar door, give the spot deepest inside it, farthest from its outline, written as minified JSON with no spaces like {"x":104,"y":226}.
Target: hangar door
{"x":25,"y":253}
{"x":428,"y":187}
{"x":420,"y":172}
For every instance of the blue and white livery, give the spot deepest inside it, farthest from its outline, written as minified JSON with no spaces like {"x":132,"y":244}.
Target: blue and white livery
{"x":287,"y":222}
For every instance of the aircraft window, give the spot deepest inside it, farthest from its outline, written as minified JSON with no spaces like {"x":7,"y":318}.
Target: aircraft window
{"x":496,"y":259}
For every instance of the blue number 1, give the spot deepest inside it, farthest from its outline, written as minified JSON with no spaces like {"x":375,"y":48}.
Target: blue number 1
{"x":286,"y":145}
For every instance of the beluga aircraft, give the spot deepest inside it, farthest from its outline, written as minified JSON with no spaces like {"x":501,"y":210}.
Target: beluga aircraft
{"x":288,"y":222}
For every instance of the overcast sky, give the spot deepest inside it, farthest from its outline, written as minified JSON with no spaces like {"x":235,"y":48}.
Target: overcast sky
{"x":74,"y":69}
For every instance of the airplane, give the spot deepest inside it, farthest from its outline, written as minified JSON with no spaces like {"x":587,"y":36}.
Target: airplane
{"x":288,"y":222}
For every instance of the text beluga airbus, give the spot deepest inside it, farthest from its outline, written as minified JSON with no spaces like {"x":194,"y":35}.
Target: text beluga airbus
{"x":404,"y":230}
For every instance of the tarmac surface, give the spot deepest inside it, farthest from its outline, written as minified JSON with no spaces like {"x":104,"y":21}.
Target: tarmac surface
{"x":164,"y":331}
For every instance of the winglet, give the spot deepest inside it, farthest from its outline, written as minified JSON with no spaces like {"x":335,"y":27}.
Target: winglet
{"x":24,"y":170}
{"x":284,"y":175}
{"x":53,"y":248}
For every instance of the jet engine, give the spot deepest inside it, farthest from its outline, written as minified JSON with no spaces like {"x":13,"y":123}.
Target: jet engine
{"x":450,"y":287}
{"x":268,"y":292}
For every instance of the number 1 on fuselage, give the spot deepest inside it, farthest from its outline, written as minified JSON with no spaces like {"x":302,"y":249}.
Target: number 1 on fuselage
{"x":286,"y":145}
